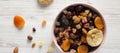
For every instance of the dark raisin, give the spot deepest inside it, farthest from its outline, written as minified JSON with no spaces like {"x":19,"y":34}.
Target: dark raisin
{"x":78,"y":8}
{"x":73,"y":46}
{"x":65,"y":22}
{"x":71,"y":8}
{"x":34,"y":30}
{"x":68,"y":14}
{"x":91,"y":23}
{"x":94,"y":16}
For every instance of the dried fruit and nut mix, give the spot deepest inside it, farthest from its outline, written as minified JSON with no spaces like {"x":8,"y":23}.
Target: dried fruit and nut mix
{"x":79,"y":28}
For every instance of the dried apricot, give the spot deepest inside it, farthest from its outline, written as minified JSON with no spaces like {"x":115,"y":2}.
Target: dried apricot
{"x":98,"y":22}
{"x":19,"y":22}
{"x":82,"y":49}
{"x":65,"y":45}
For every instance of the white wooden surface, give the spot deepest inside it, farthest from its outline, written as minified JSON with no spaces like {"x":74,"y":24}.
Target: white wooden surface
{"x":33,"y":14}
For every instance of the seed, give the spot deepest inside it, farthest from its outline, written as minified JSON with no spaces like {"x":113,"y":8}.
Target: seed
{"x":30,"y":37}
{"x":16,"y":50}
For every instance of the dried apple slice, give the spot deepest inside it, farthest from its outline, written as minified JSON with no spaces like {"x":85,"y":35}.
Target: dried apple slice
{"x":95,"y":37}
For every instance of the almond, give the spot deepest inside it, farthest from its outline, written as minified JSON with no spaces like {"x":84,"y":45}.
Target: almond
{"x":16,"y":50}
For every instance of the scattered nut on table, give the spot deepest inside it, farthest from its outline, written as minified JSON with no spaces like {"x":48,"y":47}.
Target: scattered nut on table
{"x":30,"y":37}
{"x":16,"y":50}
{"x":33,"y":45}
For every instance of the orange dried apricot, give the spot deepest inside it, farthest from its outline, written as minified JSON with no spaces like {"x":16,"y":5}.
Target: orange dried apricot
{"x":82,"y":49}
{"x":65,"y":45}
{"x":83,"y":39}
{"x":98,"y":23}
{"x":19,"y":22}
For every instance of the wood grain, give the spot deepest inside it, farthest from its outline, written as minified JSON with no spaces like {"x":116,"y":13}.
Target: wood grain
{"x":33,"y":14}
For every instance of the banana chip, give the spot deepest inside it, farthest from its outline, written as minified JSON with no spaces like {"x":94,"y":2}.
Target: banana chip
{"x":95,"y":37}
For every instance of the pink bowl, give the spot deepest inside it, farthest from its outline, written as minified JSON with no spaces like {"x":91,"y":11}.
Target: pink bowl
{"x":93,"y":9}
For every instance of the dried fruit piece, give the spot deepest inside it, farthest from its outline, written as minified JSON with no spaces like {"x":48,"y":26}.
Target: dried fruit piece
{"x":45,"y":2}
{"x":65,"y":21}
{"x":16,"y":50}
{"x":84,"y":30}
{"x":78,"y":8}
{"x":87,"y":11}
{"x":84,"y":20}
{"x":41,"y":44}
{"x":82,"y":49}
{"x":57,"y":23}
{"x":86,"y":25}
{"x":65,"y":45}
{"x":90,"y":14}
{"x":34,"y":30}
{"x":98,"y":22}
{"x":83,"y":14}
{"x":33,"y":45}
{"x":83,"y":39}
{"x":50,"y":49}
{"x":19,"y":22}
{"x":74,"y":30}
{"x":30,"y":37}
{"x":78,"y":26}
{"x":95,"y":37}
{"x":76,"y":19}
{"x":72,"y":51}
{"x":44,"y":23}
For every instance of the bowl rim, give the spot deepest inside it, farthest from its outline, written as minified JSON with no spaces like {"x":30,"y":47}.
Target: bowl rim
{"x":93,"y":9}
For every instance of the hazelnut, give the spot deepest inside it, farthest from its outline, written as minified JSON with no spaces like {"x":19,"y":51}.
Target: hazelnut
{"x":30,"y":37}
